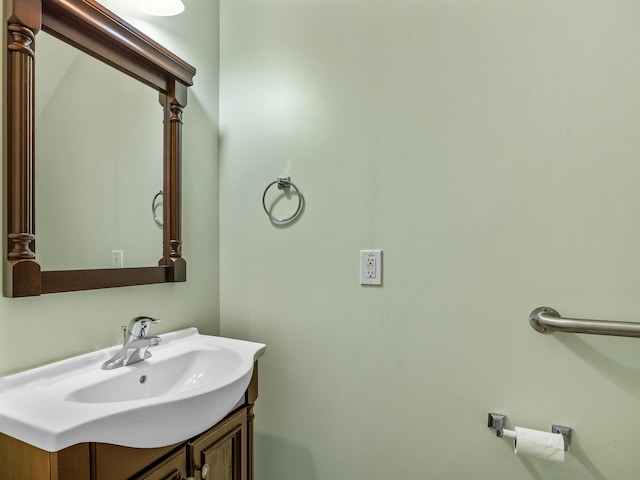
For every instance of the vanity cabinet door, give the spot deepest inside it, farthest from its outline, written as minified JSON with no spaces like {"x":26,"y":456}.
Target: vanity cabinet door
{"x":173,"y":468}
{"x":221,"y":452}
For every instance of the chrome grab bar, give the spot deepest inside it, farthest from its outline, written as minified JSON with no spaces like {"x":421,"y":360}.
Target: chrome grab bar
{"x":546,"y":320}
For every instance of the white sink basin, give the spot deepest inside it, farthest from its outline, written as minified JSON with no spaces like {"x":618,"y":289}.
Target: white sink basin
{"x":183,"y":371}
{"x":190,"y":383}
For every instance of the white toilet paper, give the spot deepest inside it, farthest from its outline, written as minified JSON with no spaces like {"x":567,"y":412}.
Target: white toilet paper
{"x":544,"y":445}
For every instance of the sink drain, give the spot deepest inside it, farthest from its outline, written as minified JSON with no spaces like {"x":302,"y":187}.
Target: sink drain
{"x":143,"y":378}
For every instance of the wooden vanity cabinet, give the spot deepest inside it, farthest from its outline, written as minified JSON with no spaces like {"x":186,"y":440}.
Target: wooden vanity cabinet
{"x":223,"y":452}
{"x":220,"y":453}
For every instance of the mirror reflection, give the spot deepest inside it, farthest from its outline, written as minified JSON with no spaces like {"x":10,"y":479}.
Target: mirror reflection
{"x":99,"y":162}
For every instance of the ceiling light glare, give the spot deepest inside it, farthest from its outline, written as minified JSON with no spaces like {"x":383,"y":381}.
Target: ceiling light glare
{"x":161,"y":8}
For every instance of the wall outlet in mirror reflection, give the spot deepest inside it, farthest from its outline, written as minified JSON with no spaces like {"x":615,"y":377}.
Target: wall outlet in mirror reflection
{"x":117,"y":258}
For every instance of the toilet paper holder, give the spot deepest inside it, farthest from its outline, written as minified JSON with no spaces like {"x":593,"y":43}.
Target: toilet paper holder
{"x":497,"y":421}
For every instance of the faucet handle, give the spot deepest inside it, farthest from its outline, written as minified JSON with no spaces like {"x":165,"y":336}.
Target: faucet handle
{"x":139,"y":326}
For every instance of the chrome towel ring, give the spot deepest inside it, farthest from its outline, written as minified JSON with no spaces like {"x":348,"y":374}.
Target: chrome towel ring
{"x":154,"y":207}
{"x":284,"y":183}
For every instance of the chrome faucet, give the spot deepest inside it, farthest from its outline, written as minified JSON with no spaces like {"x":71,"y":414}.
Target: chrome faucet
{"x":135,"y":347}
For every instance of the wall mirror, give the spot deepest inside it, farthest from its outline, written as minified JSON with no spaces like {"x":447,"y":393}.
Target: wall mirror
{"x":56,"y":239}
{"x":118,"y":157}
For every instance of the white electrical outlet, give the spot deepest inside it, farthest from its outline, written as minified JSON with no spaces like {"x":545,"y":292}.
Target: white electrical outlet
{"x":117,"y":258}
{"x":370,"y":267}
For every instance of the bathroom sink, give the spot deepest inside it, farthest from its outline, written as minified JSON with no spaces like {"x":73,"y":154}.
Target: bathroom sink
{"x":183,"y":372}
{"x":189,"y":384}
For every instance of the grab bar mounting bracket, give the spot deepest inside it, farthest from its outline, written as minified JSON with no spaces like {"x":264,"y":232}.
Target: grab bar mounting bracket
{"x":535,"y":321}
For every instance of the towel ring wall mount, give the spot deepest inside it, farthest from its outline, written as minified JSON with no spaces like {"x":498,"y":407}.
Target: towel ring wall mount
{"x":283,"y":183}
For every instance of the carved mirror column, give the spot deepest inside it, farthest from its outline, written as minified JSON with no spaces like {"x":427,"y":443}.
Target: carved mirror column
{"x":23,"y":273}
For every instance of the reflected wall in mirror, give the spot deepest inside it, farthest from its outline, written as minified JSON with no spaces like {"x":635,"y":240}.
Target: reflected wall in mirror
{"x":87,"y":26}
{"x":90,"y":148}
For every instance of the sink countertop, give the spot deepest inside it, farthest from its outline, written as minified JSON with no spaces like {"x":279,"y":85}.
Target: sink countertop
{"x":74,"y":401}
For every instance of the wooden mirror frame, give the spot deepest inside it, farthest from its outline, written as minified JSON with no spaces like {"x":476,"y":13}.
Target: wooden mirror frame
{"x":93,"y":29}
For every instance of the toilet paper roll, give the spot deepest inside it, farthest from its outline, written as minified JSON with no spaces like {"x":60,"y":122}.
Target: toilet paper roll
{"x":537,"y":444}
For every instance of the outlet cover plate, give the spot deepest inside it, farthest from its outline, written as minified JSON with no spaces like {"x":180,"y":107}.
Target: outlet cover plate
{"x":370,"y":267}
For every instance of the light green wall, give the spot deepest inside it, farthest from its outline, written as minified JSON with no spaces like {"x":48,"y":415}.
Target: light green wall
{"x":38,"y":330}
{"x":490,"y":149}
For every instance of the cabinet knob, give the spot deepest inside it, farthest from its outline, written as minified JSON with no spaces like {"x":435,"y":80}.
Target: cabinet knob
{"x":204,"y":470}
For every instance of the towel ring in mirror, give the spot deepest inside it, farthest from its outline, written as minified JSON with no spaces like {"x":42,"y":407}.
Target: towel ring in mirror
{"x":154,"y":206}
